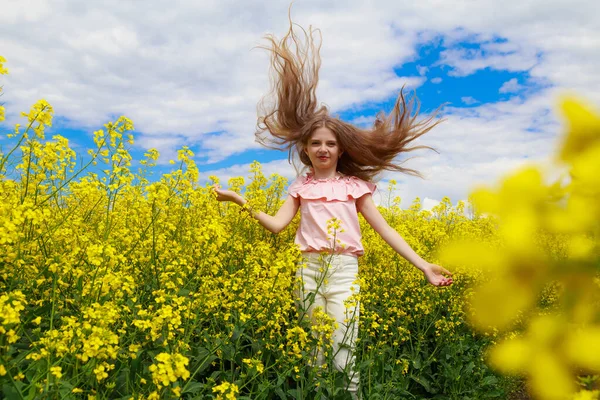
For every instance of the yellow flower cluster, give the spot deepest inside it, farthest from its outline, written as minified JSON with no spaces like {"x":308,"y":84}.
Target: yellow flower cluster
{"x":587,"y":395}
{"x":549,"y":238}
{"x":169,"y":368}
{"x":39,"y":117}
{"x":226,"y":391}
{"x":322,"y":326}
{"x":165,"y":322}
{"x":334,"y":226}
{"x":256,"y":365}
{"x":11,"y":305}
{"x":56,"y":371}
{"x":297,"y":340}
{"x":3,"y":71}
{"x":93,"y":338}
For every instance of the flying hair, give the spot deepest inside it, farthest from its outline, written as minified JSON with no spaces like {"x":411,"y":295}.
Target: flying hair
{"x":290,"y":113}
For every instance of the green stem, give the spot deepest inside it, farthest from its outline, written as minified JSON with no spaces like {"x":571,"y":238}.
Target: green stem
{"x":4,"y":159}
{"x":14,"y":384}
{"x":200,"y":366}
{"x":28,"y":173}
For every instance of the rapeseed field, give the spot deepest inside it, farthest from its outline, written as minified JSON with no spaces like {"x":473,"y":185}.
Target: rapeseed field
{"x":117,"y":285}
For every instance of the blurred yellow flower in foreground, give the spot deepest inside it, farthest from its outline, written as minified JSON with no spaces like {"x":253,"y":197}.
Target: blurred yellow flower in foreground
{"x":587,"y":395}
{"x":584,"y":130}
{"x":3,"y":70}
{"x":548,"y":353}
{"x":559,"y":343}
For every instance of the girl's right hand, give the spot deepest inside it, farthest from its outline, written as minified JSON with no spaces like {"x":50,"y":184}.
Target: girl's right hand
{"x":225,"y":195}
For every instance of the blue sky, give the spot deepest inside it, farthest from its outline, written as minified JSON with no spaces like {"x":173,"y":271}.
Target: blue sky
{"x":186,"y":74}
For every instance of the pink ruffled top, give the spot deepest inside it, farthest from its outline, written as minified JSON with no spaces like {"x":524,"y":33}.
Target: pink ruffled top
{"x":324,"y":199}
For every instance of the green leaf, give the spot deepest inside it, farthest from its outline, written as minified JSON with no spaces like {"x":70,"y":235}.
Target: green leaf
{"x":489,"y":380}
{"x":280,"y":393}
{"x":417,"y":362}
{"x":10,"y":392}
{"x":237,"y":331}
{"x":469,"y":367}
{"x":193,"y":387}
{"x":423,"y":382}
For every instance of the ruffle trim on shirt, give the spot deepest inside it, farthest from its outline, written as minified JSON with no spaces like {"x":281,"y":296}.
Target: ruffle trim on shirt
{"x":338,"y":188}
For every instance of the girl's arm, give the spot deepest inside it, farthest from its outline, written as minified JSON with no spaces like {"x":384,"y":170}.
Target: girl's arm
{"x":368,"y":209}
{"x":274,"y":224}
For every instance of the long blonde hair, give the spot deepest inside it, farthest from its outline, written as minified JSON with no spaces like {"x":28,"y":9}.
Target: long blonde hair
{"x":288,"y":116}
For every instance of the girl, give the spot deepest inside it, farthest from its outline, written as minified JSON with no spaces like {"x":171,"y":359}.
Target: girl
{"x":342,"y":161}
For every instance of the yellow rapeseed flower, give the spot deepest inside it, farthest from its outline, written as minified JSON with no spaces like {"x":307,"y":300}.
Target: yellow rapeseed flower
{"x":539,"y":355}
{"x":587,"y":395}
{"x":580,"y":344}
{"x":3,"y":70}
{"x":169,"y":368}
{"x":254,"y":364}
{"x":56,"y":371}
{"x":226,"y":391}
{"x":583,"y":129}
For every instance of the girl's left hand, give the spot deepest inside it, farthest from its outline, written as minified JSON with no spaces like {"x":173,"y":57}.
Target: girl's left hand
{"x":435,"y":275}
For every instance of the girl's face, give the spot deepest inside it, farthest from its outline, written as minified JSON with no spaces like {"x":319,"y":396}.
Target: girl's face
{"x":323,"y":149}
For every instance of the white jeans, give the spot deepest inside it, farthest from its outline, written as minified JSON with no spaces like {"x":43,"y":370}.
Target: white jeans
{"x":333,"y":280}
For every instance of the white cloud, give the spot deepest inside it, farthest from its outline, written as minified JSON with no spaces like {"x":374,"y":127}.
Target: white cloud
{"x":468,"y":100}
{"x":467,"y":61}
{"x":428,"y":203}
{"x":185,"y":73}
{"x":511,"y":86}
{"x":436,"y":80}
{"x":364,"y":121}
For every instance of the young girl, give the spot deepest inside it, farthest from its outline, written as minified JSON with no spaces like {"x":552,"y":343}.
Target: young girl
{"x":342,"y":161}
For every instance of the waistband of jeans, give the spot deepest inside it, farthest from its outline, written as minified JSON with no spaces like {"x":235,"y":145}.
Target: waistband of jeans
{"x":311,"y":255}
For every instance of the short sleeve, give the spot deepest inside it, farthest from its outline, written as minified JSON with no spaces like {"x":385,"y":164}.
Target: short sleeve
{"x":296,"y":186}
{"x":361,"y":187}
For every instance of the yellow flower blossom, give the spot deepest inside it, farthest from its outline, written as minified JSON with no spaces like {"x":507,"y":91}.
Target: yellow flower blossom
{"x":587,"y":395}
{"x":56,"y":371}
{"x":169,"y":368}
{"x":583,"y":127}
{"x":226,"y":391}
{"x":254,"y":364}
{"x":3,"y":70}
